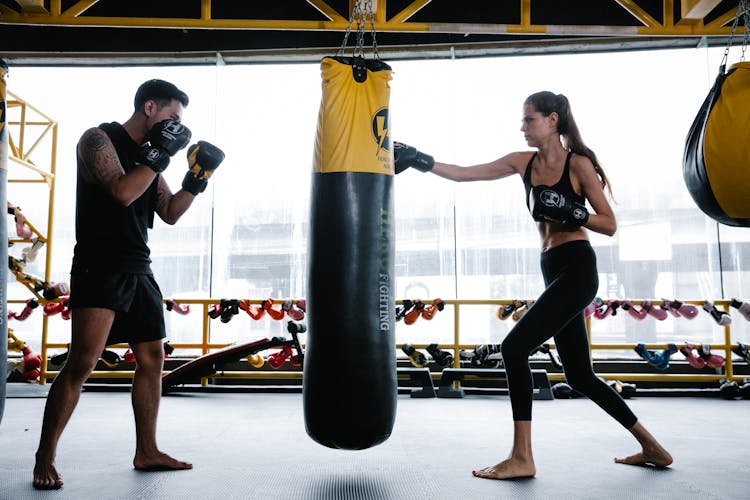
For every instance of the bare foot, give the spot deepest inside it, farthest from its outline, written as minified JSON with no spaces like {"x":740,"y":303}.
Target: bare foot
{"x":507,"y":469}
{"x":159,"y":462}
{"x":655,"y":455}
{"x":46,"y":476}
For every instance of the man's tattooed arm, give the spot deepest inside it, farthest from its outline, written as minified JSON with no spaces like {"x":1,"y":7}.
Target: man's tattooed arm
{"x":100,"y":164}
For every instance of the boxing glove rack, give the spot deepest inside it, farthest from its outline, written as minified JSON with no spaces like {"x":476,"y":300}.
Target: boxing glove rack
{"x":207,"y":307}
{"x":33,"y":148}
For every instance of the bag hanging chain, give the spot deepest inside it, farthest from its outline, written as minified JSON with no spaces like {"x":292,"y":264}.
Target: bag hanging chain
{"x":360,"y":13}
{"x":743,"y":11}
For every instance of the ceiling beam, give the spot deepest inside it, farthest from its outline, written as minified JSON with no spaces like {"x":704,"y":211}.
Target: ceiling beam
{"x":697,"y":10}
{"x":74,"y":16}
{"x":32,"y":6}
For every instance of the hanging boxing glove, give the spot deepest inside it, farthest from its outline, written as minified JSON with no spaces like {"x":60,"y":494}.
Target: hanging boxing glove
{"x":203,"y":159}
{"x":688,"y":311}
{"x":254,"y":312}
{"x":429,"y":311}
{"x":633,"y":310}
{"x":742,"y":306}
{"x":415,"y":312}
{"x":173,"y":305}
{"x":721,"y":317}
{"x":267,"y":305}
{"x":657,"y":313}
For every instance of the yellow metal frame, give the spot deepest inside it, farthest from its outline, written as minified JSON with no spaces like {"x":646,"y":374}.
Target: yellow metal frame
{"x":205,"y":346}
{"x":28,"y":128}
{"x":692,"y":23}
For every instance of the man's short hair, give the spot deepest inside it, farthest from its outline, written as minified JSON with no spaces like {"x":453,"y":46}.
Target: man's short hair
{"x":158,"y":89}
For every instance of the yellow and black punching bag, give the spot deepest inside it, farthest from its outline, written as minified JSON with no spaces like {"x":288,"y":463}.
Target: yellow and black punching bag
{"x":349,"y":385}
{"x":716,"y":163}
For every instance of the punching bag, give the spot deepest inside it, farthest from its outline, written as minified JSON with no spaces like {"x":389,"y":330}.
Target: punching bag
{"x":349,"y":385}
{"x":716,"y":163}
{"x":4,"y":153}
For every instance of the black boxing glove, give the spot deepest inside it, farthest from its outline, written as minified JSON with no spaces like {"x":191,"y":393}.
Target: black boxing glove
{"x":405,"y":156}
{"x":546,"y":204}
{"x":203,"y":159}
{"x":164,"y":140}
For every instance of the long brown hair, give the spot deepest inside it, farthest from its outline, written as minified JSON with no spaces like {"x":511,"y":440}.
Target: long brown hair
{"x":546,"y":103}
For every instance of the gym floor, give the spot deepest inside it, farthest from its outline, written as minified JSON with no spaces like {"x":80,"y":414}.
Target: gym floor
{"x":253,"y":445}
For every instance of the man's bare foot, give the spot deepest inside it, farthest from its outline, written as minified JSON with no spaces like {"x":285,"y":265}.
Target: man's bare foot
{"x":46,"y":476}
{"x":507,"y":469}
{"x":159,"y":462}
{"x":655,"y":455}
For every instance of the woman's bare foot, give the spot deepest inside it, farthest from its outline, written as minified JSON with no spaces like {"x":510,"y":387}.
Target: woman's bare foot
{"x":507,"y":469}
{"x":159,"y":462}
{"x":46,"y":476}
{"x":651,"y":451}
{"x":655,"y":455}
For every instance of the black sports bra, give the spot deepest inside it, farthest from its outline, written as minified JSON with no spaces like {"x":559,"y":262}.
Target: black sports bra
{"x":563,"y":186}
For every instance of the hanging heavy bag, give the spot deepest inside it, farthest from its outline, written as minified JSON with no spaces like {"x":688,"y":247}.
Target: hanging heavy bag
{"x":716,"y":162}
{"x":349,"y":384}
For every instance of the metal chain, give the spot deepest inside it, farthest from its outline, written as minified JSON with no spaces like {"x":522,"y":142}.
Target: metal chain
{"x":746,"y":23}
{"x":360,"y":17}
{"x":742,"y":11}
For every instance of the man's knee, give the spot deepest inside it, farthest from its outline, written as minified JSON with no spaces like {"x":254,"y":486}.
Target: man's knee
{"x":149,"y":356}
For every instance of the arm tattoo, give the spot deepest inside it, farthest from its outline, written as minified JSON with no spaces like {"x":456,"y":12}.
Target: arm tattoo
{"x":163,"y":195}
{"x":100,"y":164}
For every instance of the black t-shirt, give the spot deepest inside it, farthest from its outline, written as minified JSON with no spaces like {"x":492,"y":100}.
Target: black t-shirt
{"x":109,"y":236}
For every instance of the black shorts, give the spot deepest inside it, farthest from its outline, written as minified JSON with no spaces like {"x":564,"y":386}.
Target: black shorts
{"x":135,"y":298}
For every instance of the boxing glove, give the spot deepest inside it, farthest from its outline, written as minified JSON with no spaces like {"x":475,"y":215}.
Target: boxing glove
{"x":172,"y":305}
{"x":721,"y":317}
{"x":688,"y":311}
{"x":405,"y":156}
{"x":742,"y":306}
{"x":416,"y":358}
{"x":442,"y":358}
{"x":546,"y":204}
{"x":163,"y":141}
{"x":203,"y":159}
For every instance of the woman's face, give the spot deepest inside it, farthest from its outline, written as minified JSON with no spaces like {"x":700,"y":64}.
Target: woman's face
{"x":536,"y":127}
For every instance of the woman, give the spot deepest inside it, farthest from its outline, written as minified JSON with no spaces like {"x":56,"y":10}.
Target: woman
{"x":559,"y":178}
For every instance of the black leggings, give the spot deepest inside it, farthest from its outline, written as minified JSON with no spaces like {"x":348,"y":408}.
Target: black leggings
{"x":571,"y":278}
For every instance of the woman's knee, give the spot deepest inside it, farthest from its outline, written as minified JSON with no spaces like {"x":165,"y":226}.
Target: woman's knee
{"x":511,"y":348}
{"x":584,"y":383}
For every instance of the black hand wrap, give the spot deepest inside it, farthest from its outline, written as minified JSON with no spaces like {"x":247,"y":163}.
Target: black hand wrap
{"x":203,"y":159}
{"x":405,"y":156}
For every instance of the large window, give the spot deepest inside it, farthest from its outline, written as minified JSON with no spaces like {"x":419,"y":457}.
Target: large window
{"x":246,"y":236}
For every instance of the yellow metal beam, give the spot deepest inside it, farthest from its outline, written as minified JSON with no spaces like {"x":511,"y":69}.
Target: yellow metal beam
{"x":636,"y":11}
{"x":32,"y":6}
{"x":335,"y":21}
{"x":697,"y":10}
{"x":408,"y":11}
{"x":328,"y":11}
{"x":78,"y":8}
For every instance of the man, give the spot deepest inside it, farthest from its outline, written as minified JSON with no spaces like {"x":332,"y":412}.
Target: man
{"x":114,"y":297}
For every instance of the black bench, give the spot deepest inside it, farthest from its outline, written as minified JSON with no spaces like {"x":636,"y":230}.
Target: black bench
{"x":542,"y":387}
{"x":419,"y":377}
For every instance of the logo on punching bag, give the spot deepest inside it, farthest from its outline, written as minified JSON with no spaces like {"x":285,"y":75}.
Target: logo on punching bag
{"x":381,"y":130}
